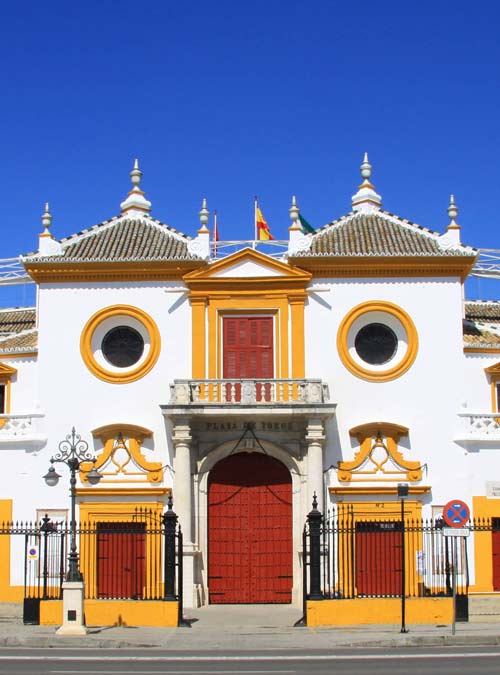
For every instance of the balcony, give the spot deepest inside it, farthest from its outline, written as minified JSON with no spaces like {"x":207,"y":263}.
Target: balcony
{"x":21,"y":429}
{"x":233,"y":396}
{"x":479,"y":427}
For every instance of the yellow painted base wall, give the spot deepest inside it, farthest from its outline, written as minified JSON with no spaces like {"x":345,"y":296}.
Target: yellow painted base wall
{"x":378,"y":611}
{"x":115,"y":613}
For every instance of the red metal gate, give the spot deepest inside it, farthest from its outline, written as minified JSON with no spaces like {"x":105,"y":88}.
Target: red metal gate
{"x":250,"y":530}
{"x":121,"y":570}
{"x":495,"y":546}
{"x":378,"y":558}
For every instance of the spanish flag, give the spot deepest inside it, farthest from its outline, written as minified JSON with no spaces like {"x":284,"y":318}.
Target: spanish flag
{"x":263,"y":232}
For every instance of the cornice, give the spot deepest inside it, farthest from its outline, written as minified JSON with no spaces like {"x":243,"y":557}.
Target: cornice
{"x":376,"y":266}
{"x":167,"y":270}
{"x":373,"y":490}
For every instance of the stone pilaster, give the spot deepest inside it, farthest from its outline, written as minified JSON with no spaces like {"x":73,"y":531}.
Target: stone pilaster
{"x":315,"y":438}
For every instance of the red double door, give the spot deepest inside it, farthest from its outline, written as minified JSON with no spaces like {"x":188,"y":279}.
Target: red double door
{"x":250,"y":530}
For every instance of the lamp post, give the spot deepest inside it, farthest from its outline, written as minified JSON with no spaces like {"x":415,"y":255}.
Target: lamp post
{"x":72,"y":452}
{"x":402,"y":493}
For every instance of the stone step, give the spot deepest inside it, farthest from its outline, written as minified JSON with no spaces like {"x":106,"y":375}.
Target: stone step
{"x":484,"y":608}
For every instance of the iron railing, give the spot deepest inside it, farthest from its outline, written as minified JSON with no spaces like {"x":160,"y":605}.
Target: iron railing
{"x":139,"y":558}
{"x":346,"y":556}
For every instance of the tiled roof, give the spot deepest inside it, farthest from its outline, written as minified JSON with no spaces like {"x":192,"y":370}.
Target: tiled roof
{"x":23,"y":342}
{"x":482,"y":310}
{"x":123,"y":239}
{"x":16,"y":320}
{"x":379,"y":234}
{"x":482,"y":324}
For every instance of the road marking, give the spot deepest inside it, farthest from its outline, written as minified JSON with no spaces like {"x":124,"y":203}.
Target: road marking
{"x":174,"y":672}
{"x":219,"y":659}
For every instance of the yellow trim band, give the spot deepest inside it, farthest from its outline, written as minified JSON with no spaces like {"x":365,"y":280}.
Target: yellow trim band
{"x":129,"y":375}
{"x":377,"y":375}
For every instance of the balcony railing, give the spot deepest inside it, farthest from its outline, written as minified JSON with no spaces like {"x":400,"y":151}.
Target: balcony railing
{"x":248,"y":392}
{"x":479,"y":427}
{"x":19,"y":426}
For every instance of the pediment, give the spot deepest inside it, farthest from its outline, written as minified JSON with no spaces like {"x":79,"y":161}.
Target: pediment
{"x":246,"y":266}
{"x":493,"y":370}
{"x":7,"y":371}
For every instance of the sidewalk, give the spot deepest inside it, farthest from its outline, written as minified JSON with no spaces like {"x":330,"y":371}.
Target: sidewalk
{"x":244,"y":627}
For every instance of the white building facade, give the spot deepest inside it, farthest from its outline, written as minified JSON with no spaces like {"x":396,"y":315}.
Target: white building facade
{"x":245,"y":385}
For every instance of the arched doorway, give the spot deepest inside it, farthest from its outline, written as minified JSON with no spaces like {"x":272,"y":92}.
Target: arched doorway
{"x":250,"y":530}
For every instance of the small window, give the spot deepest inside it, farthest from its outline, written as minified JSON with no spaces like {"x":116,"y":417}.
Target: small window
{"x":122,"y":346}
{"x":2,"y":399}
{"x":376,"y":343}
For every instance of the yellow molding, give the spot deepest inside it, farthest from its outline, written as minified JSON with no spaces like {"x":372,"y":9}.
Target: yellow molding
{"x":282,"y":294}
{"x":365,"y":373}
{"x":371,"y":429}
{"x":282,"y":272}
{"x":371,"y":437}
{"x":112,"y":430}
{"x":128,"y":438}
{"x":167,"y":270}
{"x":18,"y":355}
{"x":123,"y":492}
{"x":128,"y":375}
{"x":409,"y":266}
{"x":374,"y":490}
{"x":6,"y":374}
{"x":479,"y":350}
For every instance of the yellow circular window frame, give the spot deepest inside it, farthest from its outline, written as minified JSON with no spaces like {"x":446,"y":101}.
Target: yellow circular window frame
{"x":127,"y":375}
{"x":379,"y":375}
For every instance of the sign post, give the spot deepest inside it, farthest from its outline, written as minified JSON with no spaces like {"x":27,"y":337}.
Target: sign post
{"x":455,"y":514}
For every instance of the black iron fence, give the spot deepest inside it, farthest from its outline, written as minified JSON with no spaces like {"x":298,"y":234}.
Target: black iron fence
{"x":350,"y":556}
{"x":138,"y":557}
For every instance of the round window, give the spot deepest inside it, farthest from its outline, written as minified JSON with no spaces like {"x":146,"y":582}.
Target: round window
{"x":376,"y":343}
{"x":122,"y":346}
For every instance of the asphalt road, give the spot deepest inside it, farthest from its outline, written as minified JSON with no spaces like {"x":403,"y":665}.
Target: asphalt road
{"x":437,"y":661}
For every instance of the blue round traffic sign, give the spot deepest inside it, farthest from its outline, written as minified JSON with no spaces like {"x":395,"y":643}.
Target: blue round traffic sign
{"x":456,"y":513}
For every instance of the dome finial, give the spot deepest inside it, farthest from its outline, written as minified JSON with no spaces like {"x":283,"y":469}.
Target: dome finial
{"x":366,"y":168}
{"x":204,"y":215}
{"x":366,"y":199}
{"x":294,"y":211}
{"x":452,"y":211}
{"x":136,"y":200}
{"x":136,"y":174}
{"x":46,"y":219}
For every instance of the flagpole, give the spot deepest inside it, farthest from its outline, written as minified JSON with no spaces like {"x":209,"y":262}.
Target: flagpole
{"x":215,"y":235}
{"x":255,"y":221}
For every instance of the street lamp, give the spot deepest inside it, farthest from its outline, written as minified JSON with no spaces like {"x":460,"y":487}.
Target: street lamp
{"x":72,"y":452}
{"x":403,"y":489}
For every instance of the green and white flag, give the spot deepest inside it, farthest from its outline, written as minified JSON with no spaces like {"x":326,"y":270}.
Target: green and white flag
{"x":306,"y":228}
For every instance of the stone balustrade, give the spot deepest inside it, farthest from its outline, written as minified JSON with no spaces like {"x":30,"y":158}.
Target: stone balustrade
{"x":248,"y":392}
{"x":20,"y":427}
{"x":479,"y":427}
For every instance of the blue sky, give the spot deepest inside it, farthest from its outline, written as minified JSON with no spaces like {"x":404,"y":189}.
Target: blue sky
{"x":231,"y":99}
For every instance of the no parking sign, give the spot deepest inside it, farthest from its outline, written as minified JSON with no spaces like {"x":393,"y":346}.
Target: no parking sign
{"x":456,"y":513}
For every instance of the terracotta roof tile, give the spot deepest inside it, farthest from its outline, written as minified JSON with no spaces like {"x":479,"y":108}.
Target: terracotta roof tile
{"x":17,"y":319}
{"x":123,"y":239}
{"x":482,"y":310}
{"x":378,"y":234}
{"x":23,"y":342}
